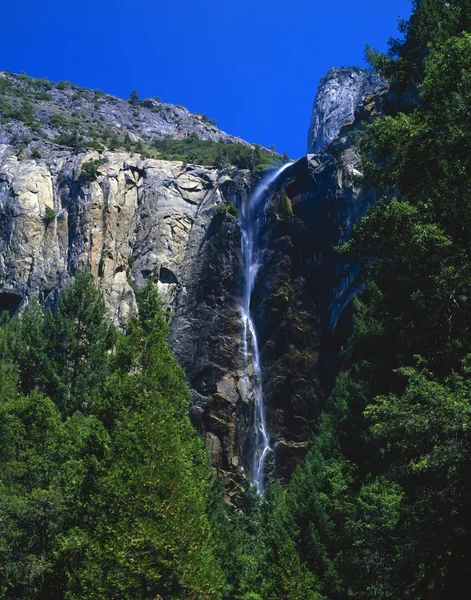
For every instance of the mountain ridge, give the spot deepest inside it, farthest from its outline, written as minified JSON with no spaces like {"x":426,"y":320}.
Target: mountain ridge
{"x":40,"y":112}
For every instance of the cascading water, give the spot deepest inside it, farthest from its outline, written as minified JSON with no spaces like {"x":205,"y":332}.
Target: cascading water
{"x":252,"y":217}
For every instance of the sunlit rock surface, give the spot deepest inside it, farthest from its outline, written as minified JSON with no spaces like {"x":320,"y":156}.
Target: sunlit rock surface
{"x":341,"y":92}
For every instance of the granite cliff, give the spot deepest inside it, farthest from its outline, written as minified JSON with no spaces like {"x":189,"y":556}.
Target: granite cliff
{"x":341,"y":93}
{"x":138,"y":217}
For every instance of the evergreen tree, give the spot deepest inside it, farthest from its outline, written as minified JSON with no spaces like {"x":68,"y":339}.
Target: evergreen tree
{"x":381,"y":501}
{"x":82,"y":340}
{"x":104,"y":486}
{"x":152,"y":530}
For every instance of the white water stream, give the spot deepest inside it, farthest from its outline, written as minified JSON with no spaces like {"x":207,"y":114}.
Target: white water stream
{"x":251,"y":221}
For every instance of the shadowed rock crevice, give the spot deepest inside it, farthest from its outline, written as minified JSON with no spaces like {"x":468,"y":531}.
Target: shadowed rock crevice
{"x":10,"y":302}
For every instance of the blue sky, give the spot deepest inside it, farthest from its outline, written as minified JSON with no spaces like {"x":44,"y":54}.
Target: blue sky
{"x":252,"y":65}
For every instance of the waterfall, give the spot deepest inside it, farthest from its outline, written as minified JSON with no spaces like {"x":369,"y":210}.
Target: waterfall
{"x":251,"y":221}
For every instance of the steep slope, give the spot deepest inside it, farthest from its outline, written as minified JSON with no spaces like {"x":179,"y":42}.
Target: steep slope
{"x":128,"y":218}
{"x":41,"y":110}
{"x":304,"y":289}
{"x":341,"y":92}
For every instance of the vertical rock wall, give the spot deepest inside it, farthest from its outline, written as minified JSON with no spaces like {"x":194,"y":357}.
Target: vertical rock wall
{"x":341,"y":93}
{"x":160,"y":219}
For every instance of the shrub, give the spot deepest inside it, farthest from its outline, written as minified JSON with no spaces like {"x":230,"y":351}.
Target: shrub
{"x":229,"y":209}
{"x":233,"y":210}
{"x":113,"y":142}
{"x":95,"y":145}
{"x":73,"y":140}
{"x":127,"y":142}
{"x":23,"y":113}
{"x":57,"y":120}
{"x":35,"y":153}
{"x":49,"y":215}
{"x":89,"y":170}
{"x":42,"y":96}
{"x":62,"y":85}
{"x":206,"y":119}
{"x":215,"y":154}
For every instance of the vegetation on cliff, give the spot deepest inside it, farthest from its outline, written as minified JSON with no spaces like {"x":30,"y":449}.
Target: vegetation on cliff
{"x":105,"y":487}
{"x":34,"y":112}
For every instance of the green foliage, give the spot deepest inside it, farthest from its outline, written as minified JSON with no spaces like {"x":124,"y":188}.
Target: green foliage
{"x":233,"y":210}
{"x":49,"y":214}
{"x":82,"y":129}
{"x":423,"y":158}
{"x":23,"y":112}
{"x":57,"y":120}
{"x":206,"y":119}
{"x":105,"y":489}
{"x":218,"y":154}
{"x":33,"y":445}
{"x":73,"y":140}
{"x":162,"y":540}
{"x":432,"y":23}
{"x":131,"y":260}
{"x":5,"y":86}
{"x":42,"y":96}
{"x":82,"y":340}
{"x":89,"y":170}
{"x":381,"y":502}
{"x":230,"y":209}
{"x":113,"y":142}
{"x":284,"y":576}
{"x":104,"y":485}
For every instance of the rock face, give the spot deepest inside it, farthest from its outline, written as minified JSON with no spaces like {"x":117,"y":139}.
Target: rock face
{"x":40,"y":109}
{"x":304,"y":289}
{"x":140,"y":218}
{"x":341,"y":92}
{"x":144,"y":218}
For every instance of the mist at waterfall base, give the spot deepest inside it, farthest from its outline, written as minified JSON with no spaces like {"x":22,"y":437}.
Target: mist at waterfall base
{"x":252,"y":219}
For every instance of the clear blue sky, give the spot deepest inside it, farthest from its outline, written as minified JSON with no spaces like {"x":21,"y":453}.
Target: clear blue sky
{"x":252,"y":65}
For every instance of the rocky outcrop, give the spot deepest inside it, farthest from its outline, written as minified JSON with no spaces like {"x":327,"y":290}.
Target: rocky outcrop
{"x":304,"y":289}
{"x":341,"y":92}
{"x":38,"y":109}
{"x":140,"y":219}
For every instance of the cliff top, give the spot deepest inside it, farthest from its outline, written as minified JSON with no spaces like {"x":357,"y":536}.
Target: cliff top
{"x":341,"y":91}
{"x":39,"y":115}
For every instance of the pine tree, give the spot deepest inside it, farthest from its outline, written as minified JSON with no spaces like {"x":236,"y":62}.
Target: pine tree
{"x":82,"y":338}
{"x":105,"y":486}
{"x":152,"y":530}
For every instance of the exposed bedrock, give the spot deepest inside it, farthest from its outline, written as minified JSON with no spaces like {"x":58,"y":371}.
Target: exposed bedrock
{"x":139,"y":218}
{"x":304,"y":289}
{"x":160,"y":219}
{"x":340,"y":94}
